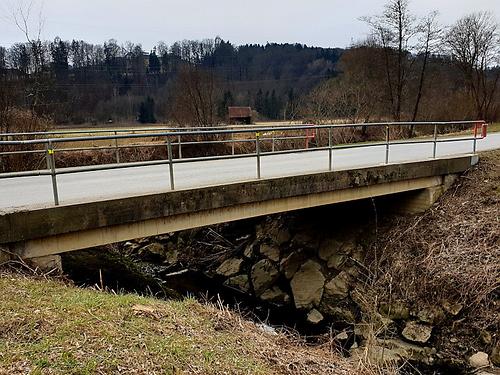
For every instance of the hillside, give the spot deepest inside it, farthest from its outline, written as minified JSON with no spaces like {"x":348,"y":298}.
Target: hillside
{"x":84,"y":82}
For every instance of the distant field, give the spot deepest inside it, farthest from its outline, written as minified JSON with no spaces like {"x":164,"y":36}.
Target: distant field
{"x":135,"y":128}
{"x":495,"y":127}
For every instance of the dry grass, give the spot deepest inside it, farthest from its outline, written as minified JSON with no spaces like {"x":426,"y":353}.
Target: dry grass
{"x":451,"y":252}
{"x":17,"y":120}
{"x":48,"y":327}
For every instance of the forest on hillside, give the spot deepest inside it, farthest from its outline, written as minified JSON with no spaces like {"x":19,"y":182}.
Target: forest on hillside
{"x":76,"y":82}
{"x":407,"y":69}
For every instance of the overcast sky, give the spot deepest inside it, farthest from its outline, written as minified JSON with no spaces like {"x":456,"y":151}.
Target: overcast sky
{"x":327,"y":23}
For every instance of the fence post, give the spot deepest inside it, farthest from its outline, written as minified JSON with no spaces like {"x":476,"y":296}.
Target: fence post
{"x":474,"y":145}
{"x":257,"y":150}
{"x":51,"y":164}
{"x":232,"y":142}
{"x":330,"y":150}
{"x":117,"y":150}
{"x":170,"y":163}
{"x":387,"y":144}
{"x":272,"y":138}
{"x":180,"y":147}
{"x":435,"y":141}
{"x":1,"y":158}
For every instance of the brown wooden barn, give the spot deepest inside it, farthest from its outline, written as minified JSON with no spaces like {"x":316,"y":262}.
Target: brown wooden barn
{"x":240,"y":115}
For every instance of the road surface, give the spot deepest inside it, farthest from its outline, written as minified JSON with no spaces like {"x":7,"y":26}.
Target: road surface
{"x":33,"y":192}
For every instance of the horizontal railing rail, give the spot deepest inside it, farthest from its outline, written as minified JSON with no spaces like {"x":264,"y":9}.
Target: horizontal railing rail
{"x":172,"y":137}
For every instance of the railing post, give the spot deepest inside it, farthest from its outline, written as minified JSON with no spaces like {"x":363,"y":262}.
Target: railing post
{"x":170,"y":163}
{"x":117,"y":150}
{"x":232,"y":142}
{"x":272,"y":138}
{"x":387,"y":144}
{"x":1,"y":159}
{"x":47,"y":157}
{"x":474,"y":145}
{"x":51,"y":164}
{"x":330,"y":150}
{"x":435,"y":141}
{"x":180,"y":147}
{"x":257,"y":151}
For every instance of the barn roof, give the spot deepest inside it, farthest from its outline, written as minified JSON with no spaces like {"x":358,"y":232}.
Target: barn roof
{"x":235,"y":112}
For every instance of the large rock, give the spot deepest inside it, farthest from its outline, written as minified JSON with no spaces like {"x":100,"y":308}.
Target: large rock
{"x":275,"y":295}
{"x":270,"y":251}
{"x":291,"y":264}
{"x":249,"y":251}
{"x":452,"y":308}
{"x":479,"y":360}
{"x":328,"y":248}
{"x":229,"y":267}
{"x":240,"y":282}
{"x":338,"y":287}
{"x":307,"y":285}
{"x":416,"y":332}
{"x":279,"y":235}
{"x":153,"y":252}
{"x":314,"y":317}
{"x":350,"y":247}
{"x":336,"y":261}
{"x":263,"y":275}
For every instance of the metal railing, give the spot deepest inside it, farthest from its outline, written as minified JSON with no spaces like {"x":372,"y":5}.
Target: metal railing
{"x":147,"y":132}
{"x":173,"y":138}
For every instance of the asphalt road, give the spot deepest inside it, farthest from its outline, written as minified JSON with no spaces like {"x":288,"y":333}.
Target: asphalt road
{"x":32,"y":192}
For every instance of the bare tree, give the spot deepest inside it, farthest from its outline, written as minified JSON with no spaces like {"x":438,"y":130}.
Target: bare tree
{"x":394,"y":30}
{"x":430,"y":39}
{"x":474,"y":44}
{"x":31,"y":25}
{"x":195,"y":99}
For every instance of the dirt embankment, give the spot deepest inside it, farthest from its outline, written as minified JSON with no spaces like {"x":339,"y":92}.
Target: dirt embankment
{"x":442,"y":268}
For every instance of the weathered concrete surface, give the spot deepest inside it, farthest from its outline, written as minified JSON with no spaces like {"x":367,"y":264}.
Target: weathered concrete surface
{"x":54,"y":230}
{"x":47,"y":263}
{"x":4,"y":255}
{"x":420,"y":201}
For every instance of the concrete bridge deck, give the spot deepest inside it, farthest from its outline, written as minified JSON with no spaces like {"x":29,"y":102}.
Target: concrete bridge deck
{"x":36,"y":192}
{"x":46,"y":231}
{"x":108,"y":206}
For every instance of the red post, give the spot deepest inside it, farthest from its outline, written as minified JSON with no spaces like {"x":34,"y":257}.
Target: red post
{"x":310,"y":134}
{"x":483,"y":127}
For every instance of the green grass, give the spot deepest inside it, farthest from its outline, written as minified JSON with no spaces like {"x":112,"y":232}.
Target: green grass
{"x":47,"y":327}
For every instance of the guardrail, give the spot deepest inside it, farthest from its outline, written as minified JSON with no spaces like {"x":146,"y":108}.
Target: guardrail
{"x":173,"y":138}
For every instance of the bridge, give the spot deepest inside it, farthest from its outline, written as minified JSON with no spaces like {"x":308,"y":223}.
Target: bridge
{"x":259,"y":171}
